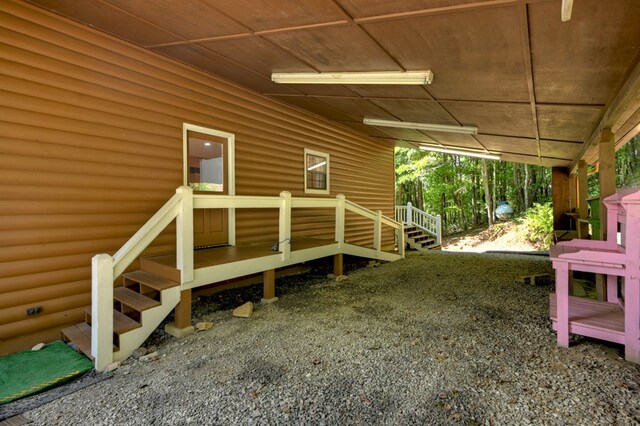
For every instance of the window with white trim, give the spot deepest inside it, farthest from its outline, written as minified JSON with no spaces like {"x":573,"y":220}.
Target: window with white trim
{"x":316,"y":173}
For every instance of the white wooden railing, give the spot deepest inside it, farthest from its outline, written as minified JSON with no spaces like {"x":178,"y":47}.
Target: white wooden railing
{"x":106,"y":268}
{"x":412,"y":216}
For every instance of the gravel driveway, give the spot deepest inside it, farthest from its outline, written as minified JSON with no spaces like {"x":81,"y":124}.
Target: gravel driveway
{"x":439,"y":338}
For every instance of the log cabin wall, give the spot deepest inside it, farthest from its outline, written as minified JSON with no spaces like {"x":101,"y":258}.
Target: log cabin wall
{"x":91,"y":147}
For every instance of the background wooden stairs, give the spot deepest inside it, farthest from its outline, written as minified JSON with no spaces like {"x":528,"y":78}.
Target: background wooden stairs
{"x":417,"y":239}
{"x":139,"y":306}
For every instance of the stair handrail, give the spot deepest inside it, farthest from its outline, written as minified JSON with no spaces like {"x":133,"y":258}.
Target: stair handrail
{"x":412,"y":216}
{"x":106,"y":268}
{"x":146,"y":234}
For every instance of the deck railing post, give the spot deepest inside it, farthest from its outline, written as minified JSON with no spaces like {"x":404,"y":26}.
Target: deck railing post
{"x":377,"y":232}
{"x":184,"y":235}
{"x":102,"y":310}
{"x":340,"y":220}
{"x":400,"y":240}
{"x":438,"y":229}
{"x":284,"y":239}
{"x":409,"y":214}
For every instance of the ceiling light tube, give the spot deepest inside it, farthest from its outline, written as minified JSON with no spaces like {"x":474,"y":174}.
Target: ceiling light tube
{"x":467,"y":130}
{"x":458,"y":152}
{"x":390,"y":77}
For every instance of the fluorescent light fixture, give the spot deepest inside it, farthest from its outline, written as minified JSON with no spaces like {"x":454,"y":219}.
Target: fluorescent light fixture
{"x":390,"y":77}
{"x":467,"y":130}
{"x":315,"y":166}
{"x":459,"y":152}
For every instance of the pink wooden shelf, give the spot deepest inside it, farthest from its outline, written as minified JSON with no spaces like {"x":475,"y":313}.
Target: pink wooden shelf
{"x":600,"y":320}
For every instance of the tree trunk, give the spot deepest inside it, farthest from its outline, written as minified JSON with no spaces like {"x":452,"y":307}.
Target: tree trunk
{"x":487,"y":194}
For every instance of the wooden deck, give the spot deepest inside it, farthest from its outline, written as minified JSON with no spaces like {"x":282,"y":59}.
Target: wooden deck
{"x":228,"y":254}
{"x":600,"y":320}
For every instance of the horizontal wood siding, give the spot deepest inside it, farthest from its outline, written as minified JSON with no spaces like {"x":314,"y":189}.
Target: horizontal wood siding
{"x":91,"y":147}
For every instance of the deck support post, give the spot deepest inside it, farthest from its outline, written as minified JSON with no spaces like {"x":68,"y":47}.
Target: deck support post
{"x":284,"y":235}
{"x":338,"y":264}
{"x":377,"y":233}
{"x":269,"y":286}
{"x":583,"y":207}
{"x":184,"y":235}
{"x":340,"y":220}
{"x":182,"y":323}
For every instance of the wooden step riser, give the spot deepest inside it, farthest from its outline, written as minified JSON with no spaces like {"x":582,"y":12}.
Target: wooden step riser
{"x":160,"y":270}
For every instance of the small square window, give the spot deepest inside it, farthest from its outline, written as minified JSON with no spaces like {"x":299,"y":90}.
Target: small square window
{"x":316,"y":174}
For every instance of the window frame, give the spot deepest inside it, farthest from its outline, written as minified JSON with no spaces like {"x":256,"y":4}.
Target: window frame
{"x":308,"y":190}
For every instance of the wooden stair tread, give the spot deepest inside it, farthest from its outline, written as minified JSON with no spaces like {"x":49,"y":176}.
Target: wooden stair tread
{"x":121,"y":322}
{"x":134,"y":300}
{"x":150,"y":280}
{"x":80,"y":335}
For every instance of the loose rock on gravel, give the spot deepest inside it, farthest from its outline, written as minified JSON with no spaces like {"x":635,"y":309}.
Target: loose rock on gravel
{"x":438,"y":338}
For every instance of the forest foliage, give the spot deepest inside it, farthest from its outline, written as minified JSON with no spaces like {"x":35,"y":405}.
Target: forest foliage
{"x":462,"y":190}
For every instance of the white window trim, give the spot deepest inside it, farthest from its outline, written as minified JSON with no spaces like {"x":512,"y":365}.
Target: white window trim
{"x":304,"y":165}
{"x":231,"y":167}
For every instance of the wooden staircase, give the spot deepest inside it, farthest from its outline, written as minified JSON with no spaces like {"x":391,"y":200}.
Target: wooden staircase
{"x":139,"y":306}
{"x":417,"y":239}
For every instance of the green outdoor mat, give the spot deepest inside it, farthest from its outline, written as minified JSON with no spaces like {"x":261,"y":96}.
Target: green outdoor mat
{"x":29,"y":372}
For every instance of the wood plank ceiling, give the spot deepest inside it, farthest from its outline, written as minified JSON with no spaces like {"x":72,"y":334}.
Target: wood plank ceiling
{"x":536,"y":87}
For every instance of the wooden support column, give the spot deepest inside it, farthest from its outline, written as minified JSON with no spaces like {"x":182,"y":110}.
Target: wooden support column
{"x":269,"y":286}
{"x":607,"y":159}
{"x":181,"y":326}
{"x":583,"y":207}
{"x":561,"y":197}
{"x":573,"y":192}
{"x":607,"y":174}
{"x":338,"y":264}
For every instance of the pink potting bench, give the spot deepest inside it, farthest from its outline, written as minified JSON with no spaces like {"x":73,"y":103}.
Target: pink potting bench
{"x":617,"y":319}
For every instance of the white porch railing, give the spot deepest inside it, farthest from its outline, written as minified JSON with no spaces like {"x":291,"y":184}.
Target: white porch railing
{"x":412,"y":216}
{"x":106,"y":268}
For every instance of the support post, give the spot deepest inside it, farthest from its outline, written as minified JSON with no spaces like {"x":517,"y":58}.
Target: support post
{"x":377,"y":233}
{"x":184,"y":235}
{"x":338,"y":264}
{"x":560,"y":187}
{"x":340,"y":220}
{"x":269,"y":286}
{"x":607,"y":160}
{"x":284,"y":237}
{"x":573,"y":193}
{"x":181,"y":326}
{"x":583,"y":207}
{"x":409,"y":215}
{"x":438,"y":229}
{"x":400,"y":241}
{"x":102,"y":310}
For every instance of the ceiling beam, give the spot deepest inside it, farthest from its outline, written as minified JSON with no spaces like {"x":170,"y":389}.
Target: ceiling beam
{"x":625,"y":103}
{"x":523,"y":16}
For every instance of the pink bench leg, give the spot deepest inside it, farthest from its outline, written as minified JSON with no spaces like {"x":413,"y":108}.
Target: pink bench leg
{"x":612,"y":288}
{"x":562,"y":303}
{"x":632,"y":319}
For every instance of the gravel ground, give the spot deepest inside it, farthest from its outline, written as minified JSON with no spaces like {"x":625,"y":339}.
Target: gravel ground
{"x":438,"y":338}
